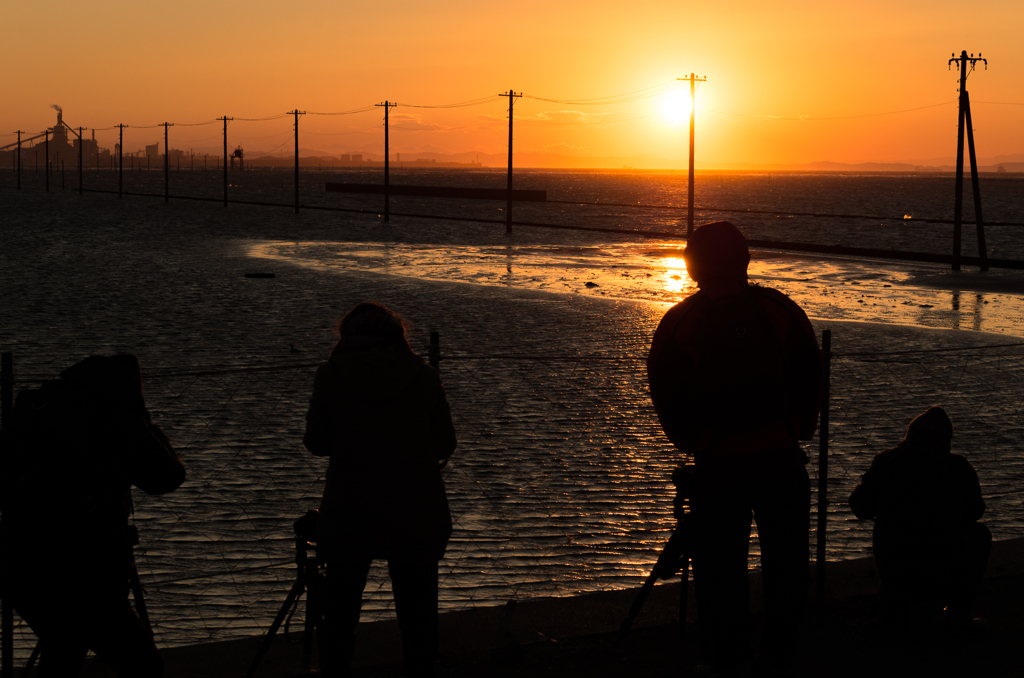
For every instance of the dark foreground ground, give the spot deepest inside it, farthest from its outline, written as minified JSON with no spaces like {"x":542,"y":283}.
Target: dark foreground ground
{"x":578,"y":637}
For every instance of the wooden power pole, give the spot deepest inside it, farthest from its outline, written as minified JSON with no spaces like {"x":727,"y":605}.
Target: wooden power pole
{"x":965,"y":120}
{"x":297,"y":113}
{"x":512,"y":96}
{"x":693,"y":100}
{"x":387,"y":168}
{"x":225,"y":119}
{"x":167,"y":163}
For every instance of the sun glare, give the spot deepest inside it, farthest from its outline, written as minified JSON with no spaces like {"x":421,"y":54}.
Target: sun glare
{"x":676,"y":106}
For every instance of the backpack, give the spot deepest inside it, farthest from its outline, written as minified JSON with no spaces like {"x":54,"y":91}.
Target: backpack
{"x":740,"y":372}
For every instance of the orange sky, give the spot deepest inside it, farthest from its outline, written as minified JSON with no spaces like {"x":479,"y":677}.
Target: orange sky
{"x":142,"y":63}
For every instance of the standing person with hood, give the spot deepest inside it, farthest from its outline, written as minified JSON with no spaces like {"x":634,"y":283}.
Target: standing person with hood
{"x":925,"y":500}
{"x":381,"y":416}
{"x":735,"y":377}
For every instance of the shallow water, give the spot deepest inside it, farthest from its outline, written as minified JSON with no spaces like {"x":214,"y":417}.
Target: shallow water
{"x":560,"y":484}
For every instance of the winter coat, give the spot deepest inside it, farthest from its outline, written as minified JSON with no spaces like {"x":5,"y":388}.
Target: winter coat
{"x":734,"y":369}
{"x":381,"y":416}
{"x":919,"y":488}
{"x":69,"y":461}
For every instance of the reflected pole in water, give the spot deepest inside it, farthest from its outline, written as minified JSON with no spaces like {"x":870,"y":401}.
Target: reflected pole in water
{"x":693,"y":99}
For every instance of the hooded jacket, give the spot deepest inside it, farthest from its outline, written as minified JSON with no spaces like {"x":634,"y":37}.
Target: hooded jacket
{"x":381,"y":416}
{"x":919,"y":488}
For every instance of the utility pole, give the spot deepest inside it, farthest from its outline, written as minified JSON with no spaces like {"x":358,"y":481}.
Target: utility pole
{"x":81,"y":147}
{"x":17,"y":162}
{"x":387,"y":169}
{"x":693,"y":104}
{"x":167,"y":163}
{"x":120,"y":160}
{"x":297,"y":113}
{"x":965,"y":118}
{"x":512,"y":96}
{"x":225,"y":119}
{"x":46,"y":165}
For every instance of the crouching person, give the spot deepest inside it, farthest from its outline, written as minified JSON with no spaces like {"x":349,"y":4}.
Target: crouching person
{"x":69,"y":457}
{"x":381,"y":416}
{"x":929,"y":546}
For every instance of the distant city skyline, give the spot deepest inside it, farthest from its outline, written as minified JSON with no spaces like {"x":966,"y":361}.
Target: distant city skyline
{"x":787,"y":83}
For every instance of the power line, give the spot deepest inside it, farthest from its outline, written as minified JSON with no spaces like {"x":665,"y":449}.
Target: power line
{"x":838,"y":117}
{"x":645,"y":93}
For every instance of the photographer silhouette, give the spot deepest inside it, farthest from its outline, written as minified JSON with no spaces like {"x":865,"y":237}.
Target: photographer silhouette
{"x":68,"y":460}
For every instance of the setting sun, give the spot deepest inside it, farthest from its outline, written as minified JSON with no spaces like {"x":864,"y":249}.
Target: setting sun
{"x":676,"y":107}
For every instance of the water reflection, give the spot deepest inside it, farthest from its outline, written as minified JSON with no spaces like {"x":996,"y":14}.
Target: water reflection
{"x":847,"y":289}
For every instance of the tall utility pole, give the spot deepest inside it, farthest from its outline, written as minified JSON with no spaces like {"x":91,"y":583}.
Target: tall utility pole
{"x":297,"y":113}
{"x":512,"y":96}
{"x":965,"y":118}
{"x":17,"y":162}
{"x":225,"y":119}
{"x":387,"y":167}
{"x":46,"y":165}
{"x":120,"y":160}
{"x":693,"y":101}
{"x":167,"y":163}
{"x":81,"y":147}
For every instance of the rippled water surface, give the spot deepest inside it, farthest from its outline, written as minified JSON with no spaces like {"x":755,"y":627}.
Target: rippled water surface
{"x":560,"y":484}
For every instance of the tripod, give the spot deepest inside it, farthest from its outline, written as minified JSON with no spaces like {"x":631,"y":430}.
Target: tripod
{"x":675,"y":556}
{"x":307,"y":576}
{"x":131,"y":534}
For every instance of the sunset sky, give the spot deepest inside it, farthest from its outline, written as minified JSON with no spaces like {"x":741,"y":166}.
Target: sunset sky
{"x":767,"y":66}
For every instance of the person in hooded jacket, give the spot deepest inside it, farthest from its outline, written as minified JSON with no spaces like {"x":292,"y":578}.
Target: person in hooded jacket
{"x":735,"y":378}
{"x":380,"y":414}
{"x":69,"y":459}
{"x":925,"y":500}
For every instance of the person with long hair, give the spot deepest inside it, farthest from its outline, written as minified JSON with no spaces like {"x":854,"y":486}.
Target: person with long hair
{"x":381,"y":416}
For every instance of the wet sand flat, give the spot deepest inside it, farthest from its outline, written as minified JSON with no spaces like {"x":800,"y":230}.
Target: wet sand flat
{"x":94,"y":275}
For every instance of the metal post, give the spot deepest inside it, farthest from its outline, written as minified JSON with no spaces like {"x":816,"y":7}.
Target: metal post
{"x":976,"y":186}
{"x":7,"y":623}
{"x":46,"y":165}
{"x":826,"y":359}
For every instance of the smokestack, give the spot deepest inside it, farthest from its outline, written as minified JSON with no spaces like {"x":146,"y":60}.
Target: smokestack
{"x":60,"y":114}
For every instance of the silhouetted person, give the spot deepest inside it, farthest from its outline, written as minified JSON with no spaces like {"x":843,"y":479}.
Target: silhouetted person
{"x":69,"y":458}
{"x":380,"y":414}
{"x":735,"y":376}
{"x":928,"y":543}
